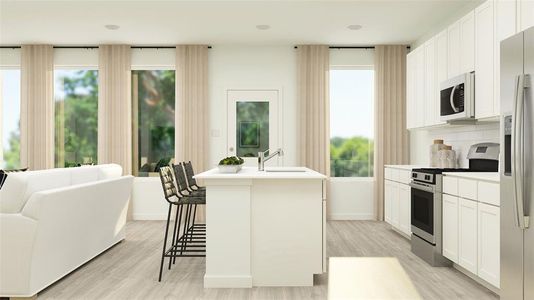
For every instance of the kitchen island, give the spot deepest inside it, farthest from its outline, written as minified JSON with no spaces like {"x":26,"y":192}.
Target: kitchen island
{"x":264,"y":228}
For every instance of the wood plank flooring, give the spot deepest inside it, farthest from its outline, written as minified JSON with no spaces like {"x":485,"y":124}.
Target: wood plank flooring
{"x":129,"y":270}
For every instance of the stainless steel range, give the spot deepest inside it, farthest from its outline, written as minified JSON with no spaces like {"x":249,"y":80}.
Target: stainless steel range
{"x":426,"y":202}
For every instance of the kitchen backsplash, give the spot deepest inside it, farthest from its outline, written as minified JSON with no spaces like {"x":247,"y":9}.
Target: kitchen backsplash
{"x":459,"y":137}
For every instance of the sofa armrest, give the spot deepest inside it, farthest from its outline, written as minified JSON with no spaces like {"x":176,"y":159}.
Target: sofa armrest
{"x":17,"y":234}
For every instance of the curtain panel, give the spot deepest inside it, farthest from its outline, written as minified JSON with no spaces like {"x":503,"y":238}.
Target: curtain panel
{"x":115,"y":106}
{"x":313,"y":66}
{"x":391,"y":145}
{"x":37,"y":107}
{"x":192,"y":111}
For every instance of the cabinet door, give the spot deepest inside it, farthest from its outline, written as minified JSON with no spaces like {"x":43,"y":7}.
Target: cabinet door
{"x":453,"y":47}
{"x":484,"y":46}
{"x":526,"y":14}
{"x":420,"y":108}
{"x":405,"y":209}
{"x":430,"y":83}
{"x":388,"y":195}
{"x":467,"y":233}
{"x":410,"y":91}
{"x":467,"y":43}
{"x":450,"y":227}
{"x":441,"y":69}
{"x":505,"y":26}
{"x":395,"y":205}
{"x":489,"y":243}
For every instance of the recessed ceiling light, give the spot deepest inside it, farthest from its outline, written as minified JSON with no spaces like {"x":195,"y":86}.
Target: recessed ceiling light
{"x":112,"y":26}
{"x":263,"y":27}
{"x":354,"y":27}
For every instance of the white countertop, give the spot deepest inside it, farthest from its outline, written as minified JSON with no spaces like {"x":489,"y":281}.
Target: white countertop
{"x":484,"y":176}
{"x":405,"y":167}
{"x":253,"y":173}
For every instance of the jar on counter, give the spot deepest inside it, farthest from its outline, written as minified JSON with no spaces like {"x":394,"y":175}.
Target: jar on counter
{"x":447,"y":157}
{"x":434,"y":153}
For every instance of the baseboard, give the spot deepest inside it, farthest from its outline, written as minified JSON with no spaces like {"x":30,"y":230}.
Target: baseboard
{"x":227,"y":281}
{"x":149,"y":217}
{"x":353,"y":217}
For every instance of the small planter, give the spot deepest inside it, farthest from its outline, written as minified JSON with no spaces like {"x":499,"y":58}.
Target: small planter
{"x":229,"y":168}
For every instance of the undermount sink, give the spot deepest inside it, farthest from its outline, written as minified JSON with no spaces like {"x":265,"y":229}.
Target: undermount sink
{"x":285,"y":169}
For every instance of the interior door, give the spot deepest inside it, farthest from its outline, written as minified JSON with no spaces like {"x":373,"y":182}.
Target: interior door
{"x":253,"y":124}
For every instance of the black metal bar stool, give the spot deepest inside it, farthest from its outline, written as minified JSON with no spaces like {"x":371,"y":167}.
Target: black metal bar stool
{"x":190,"y":243}
{"x":191,"y":181}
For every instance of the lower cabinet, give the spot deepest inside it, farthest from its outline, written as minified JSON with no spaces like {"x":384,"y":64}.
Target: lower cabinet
{"x":467,"y":234}
{"x":397,"y":207}
{"x":489,"y":243}
{"x":450,"y":227}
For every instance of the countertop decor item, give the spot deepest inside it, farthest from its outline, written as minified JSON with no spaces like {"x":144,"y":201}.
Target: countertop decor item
{"x":434,"y":149}
{"x":231,"y":164}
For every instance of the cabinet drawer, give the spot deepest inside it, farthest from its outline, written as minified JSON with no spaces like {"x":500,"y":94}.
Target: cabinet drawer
{"x":450,"y":185}
{"x":467,"y":188}
{"x":405,"y":176}
{"x":489,"y":193}
{"x":391,"y":174}
{"x":387,"y":173}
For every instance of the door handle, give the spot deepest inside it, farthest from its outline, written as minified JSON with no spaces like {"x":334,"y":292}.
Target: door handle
{"x":522,"y":220}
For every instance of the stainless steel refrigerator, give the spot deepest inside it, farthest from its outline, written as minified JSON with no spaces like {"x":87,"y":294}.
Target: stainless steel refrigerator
{"x":517,"y":164}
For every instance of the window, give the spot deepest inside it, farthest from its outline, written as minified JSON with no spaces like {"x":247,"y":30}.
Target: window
{"x":10,"y":112}
{"x":153,"y":119}
{"x":351,"y":122}
{"x":76,"y":121}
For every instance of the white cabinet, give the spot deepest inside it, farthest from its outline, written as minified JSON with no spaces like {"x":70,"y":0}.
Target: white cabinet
{"x":389,"y":191}
{"x":526,"y":14}
{"x":420,"y":108}
{"x":488,"y":243}
{"x":467,"y":43}
{"x":467,"y":234}
{"x":430,"y":99}
{"x":405,"y":214}
{"x":453,"y":49}
{"x":394,"y":202}
{"x":484,"y":60}
{"x":450,"y":227}
{"x":410,"y":91}
{"x":505,"y":19}
{"x":441,"y":70}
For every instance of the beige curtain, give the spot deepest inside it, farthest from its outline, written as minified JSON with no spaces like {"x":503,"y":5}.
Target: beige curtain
{"x":391,"y":136}
{"x":192,"y":112}
{"x":313,"y":107}
{"x":37,"y":107}
{"x":114,"y":106}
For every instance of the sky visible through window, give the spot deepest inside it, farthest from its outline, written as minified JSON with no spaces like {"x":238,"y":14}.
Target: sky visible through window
{"x":351,"y":103}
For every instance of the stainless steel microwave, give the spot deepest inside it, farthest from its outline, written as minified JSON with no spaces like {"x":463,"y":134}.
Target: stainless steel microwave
{"x":457,"y":98}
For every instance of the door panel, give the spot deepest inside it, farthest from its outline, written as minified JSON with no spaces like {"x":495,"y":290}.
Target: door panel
{"x":511,"y":235}
{"x":529,"y":163}
{"x":450,"y":227}
{"x":252,"y":124}
{"x":467,"y":228}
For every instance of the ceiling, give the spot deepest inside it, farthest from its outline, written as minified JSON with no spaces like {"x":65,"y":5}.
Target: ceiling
{"x":222,"y":22}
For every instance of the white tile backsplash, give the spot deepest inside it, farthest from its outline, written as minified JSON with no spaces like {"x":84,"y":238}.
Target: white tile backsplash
{"x":459,"y":137}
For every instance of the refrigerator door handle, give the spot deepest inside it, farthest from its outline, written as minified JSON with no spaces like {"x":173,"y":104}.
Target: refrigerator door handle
{"x":517,"y":152}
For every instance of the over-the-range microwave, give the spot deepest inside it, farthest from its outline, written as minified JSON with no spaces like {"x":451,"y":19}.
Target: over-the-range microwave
{"x":457,"y":98}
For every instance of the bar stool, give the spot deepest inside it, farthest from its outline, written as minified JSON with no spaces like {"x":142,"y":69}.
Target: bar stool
{"x":189,"y":173}
{"x":190,"y":243}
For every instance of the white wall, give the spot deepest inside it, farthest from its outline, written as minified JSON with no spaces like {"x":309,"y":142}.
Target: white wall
{"x":252,"y":67}
{"x":459,"y":137}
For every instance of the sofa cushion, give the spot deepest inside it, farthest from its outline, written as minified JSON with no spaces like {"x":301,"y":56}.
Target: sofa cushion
{"x":84,"y":174}
{"x":109,"y":171}
{"x":20,"y":186}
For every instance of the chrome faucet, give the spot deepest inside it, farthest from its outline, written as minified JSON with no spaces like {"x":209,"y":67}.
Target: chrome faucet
{"x":262,"y":159}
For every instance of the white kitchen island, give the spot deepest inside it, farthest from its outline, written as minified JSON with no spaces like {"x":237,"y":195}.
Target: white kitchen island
{"x":264,"y":228}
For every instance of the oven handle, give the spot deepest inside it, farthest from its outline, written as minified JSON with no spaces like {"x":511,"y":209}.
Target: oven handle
{"x":421,"y":187}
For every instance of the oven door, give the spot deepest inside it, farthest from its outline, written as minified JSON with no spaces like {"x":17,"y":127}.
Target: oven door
{"x":452,"y":102}
{"x":422,"y":200}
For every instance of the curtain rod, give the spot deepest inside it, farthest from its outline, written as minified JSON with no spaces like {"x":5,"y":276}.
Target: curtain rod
{"x":351,"y":47}
{"x":96,"y":47}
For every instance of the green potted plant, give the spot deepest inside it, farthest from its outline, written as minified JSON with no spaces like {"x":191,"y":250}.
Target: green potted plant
{"x":231,"y":164}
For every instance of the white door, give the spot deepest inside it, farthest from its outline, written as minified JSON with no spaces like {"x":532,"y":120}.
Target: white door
{"x":450,"y":227}
{"x":405,"y":209}
{"x":253,"y":124}
{"x":489,"y":243}
{"x":467,"y":234}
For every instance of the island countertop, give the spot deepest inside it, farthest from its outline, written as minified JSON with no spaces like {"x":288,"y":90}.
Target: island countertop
{"x":270,"y":173}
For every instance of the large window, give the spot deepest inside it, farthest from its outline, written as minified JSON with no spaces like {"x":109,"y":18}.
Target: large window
{"x":153,"y":119}
{"x":351,"y":122}
{"x":76,"y":122}
{"x":10,"y":113}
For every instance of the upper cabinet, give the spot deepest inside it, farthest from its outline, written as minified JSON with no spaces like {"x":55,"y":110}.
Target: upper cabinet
{"x":472,"y":43}
{"x":525,"y":11}
{"x":484,"y":59}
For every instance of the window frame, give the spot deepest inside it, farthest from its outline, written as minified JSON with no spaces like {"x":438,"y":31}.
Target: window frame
{"x":353,"y":178}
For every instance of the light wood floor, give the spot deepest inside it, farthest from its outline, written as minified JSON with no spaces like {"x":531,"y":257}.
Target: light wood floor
{"x":129,"y":270}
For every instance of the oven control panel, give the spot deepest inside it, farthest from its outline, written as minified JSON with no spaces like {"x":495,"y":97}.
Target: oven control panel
{"x":423,"y":177}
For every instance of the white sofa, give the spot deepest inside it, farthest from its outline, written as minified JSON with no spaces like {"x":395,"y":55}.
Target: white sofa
{"x":53,"y":221}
